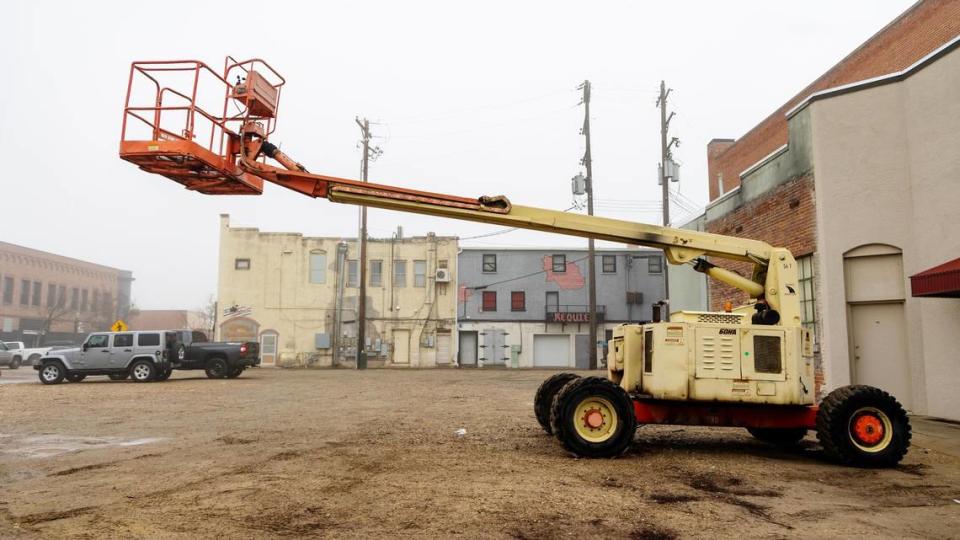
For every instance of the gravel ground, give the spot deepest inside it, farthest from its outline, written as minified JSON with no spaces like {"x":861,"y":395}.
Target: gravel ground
{"x":349,"y":454}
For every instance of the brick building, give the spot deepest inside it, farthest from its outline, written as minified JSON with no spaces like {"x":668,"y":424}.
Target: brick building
{"x":47,"y":297}
{"x":836,"y":175}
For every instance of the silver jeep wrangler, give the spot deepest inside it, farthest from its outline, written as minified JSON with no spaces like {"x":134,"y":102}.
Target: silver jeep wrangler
{"x":138,"y":355}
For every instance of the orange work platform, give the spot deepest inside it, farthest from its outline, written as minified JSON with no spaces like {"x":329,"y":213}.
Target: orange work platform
{"x":172,"y":126}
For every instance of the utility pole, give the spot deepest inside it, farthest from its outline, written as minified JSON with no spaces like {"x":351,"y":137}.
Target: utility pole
{"x":362,"y":300}
{"x":666,"y":161}
{"x":587,"y":162}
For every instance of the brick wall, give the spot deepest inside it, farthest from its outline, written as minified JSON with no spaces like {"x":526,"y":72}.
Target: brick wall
{"x":782,"y":217}
{"x":918,"y":31}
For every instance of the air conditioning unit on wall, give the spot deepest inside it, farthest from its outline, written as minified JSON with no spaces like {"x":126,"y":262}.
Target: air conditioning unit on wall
{"x":443,"y":275}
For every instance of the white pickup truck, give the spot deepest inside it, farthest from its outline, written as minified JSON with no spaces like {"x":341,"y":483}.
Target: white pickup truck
{"x":14,"y":354}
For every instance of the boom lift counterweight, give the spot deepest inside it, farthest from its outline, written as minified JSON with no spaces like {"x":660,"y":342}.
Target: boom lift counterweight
{"x":752,"y":367}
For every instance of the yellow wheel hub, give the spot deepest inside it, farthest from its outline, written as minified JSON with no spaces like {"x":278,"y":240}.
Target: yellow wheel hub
{"x":595,"y":419}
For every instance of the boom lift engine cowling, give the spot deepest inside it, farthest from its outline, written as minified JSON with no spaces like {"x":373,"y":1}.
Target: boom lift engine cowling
{"x":751,"y":367}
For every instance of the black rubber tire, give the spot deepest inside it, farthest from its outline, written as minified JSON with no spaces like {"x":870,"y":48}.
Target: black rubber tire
{"x":136,"y":367}
{"x":565,"y":403}
{"x":779,"y":436}
{"x":217,"y":368}
{"x":543,"y":400}
{"x":838,"y":410}
{"x":233,"y":373}
{"x":60,"y":372}
{"x":15,"y":363}
{"x":118,"y":376}
{"x":165,"y":374}
{"x":75,"y":377}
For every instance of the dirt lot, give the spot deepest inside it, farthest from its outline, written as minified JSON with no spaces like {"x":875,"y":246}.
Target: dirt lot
{"x":348,"y":454}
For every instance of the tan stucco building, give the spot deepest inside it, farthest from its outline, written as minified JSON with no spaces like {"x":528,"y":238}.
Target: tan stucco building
{"x":297,"y":296}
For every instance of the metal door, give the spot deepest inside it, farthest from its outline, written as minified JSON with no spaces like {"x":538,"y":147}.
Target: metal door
{"x":468,"y":348}
{"x":443,"y":348}
{"x":879,"y":349}
{"x":581,"y":349}
{"x":401,"y":346}
{"x":494,"y":349}
{"x":121,"y":350}
{"x":96,"y":355}
{"x":268,"y":349}
{"x":551,"y":350}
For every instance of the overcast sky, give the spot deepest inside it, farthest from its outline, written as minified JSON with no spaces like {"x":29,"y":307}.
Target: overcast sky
{"x":469,"y":97}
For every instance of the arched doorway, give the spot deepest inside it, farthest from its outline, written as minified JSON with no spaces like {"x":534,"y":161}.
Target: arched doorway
{"x":876,"y":321}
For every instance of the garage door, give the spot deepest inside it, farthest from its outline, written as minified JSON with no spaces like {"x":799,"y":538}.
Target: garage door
{"x":551,"y":350}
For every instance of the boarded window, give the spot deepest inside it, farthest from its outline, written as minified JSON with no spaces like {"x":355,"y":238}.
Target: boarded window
{"x":24,"y":292}
{"x":489,"y":263}
{"x":37,"y":291}
{"x":559,"y":263}
{"x":318,"y":267}
{"x":51,"y":295}
{"x":8,"y":290}
{"x":518,"y":301}
{"x":84,"y":299}
{"x":489,"y":300}
{"x":376,"y":273}
{"x":419,"y":273}
{"x":352,"y":269}
{"x":766,"y":354}
{"x":399,"y":274}
{"x":609,"y":264}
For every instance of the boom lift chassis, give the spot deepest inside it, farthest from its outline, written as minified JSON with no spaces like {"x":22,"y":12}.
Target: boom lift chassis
{"x":749,"y":367}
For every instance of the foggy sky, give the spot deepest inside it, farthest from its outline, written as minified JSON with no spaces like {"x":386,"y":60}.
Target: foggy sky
{"x":469,"y":98}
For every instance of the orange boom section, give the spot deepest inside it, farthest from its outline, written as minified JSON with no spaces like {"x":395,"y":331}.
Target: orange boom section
{"x":182,"y":120}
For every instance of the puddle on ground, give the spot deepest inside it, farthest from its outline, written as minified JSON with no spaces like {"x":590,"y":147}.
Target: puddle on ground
{"x":42,"y":446}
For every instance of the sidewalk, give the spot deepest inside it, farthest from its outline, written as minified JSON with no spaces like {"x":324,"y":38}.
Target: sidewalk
{"x":938,"y":435}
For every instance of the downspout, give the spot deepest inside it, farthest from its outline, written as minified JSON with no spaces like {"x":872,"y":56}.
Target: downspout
{"x":338,"y":301}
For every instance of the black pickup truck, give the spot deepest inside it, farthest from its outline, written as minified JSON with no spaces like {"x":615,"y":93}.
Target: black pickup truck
{"x":189,"y":349}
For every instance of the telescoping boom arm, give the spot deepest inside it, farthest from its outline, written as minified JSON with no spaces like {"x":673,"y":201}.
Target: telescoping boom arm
{"x":679,"y":245}
{"x":224,"y":153}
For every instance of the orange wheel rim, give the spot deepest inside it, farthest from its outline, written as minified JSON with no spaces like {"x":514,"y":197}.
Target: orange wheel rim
{"x":868,"y":429}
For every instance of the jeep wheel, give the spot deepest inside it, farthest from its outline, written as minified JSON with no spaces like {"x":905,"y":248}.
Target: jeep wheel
{"x":143,"y":371}
{"x":15,"y":363}
{"x":75,"y":377}
{"x":118,"y":376}
{"x":234,"y":372}
{"x":51,"y":373}
{"x":217,"y":368}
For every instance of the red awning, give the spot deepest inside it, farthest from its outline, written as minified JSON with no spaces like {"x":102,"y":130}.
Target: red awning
{"x":940,"y":281}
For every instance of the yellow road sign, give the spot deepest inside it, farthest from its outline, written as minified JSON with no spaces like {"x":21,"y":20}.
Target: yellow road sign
{"x":119,"y":326}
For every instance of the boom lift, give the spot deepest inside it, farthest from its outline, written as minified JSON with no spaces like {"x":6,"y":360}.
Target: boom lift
{"x":750,"y":367}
